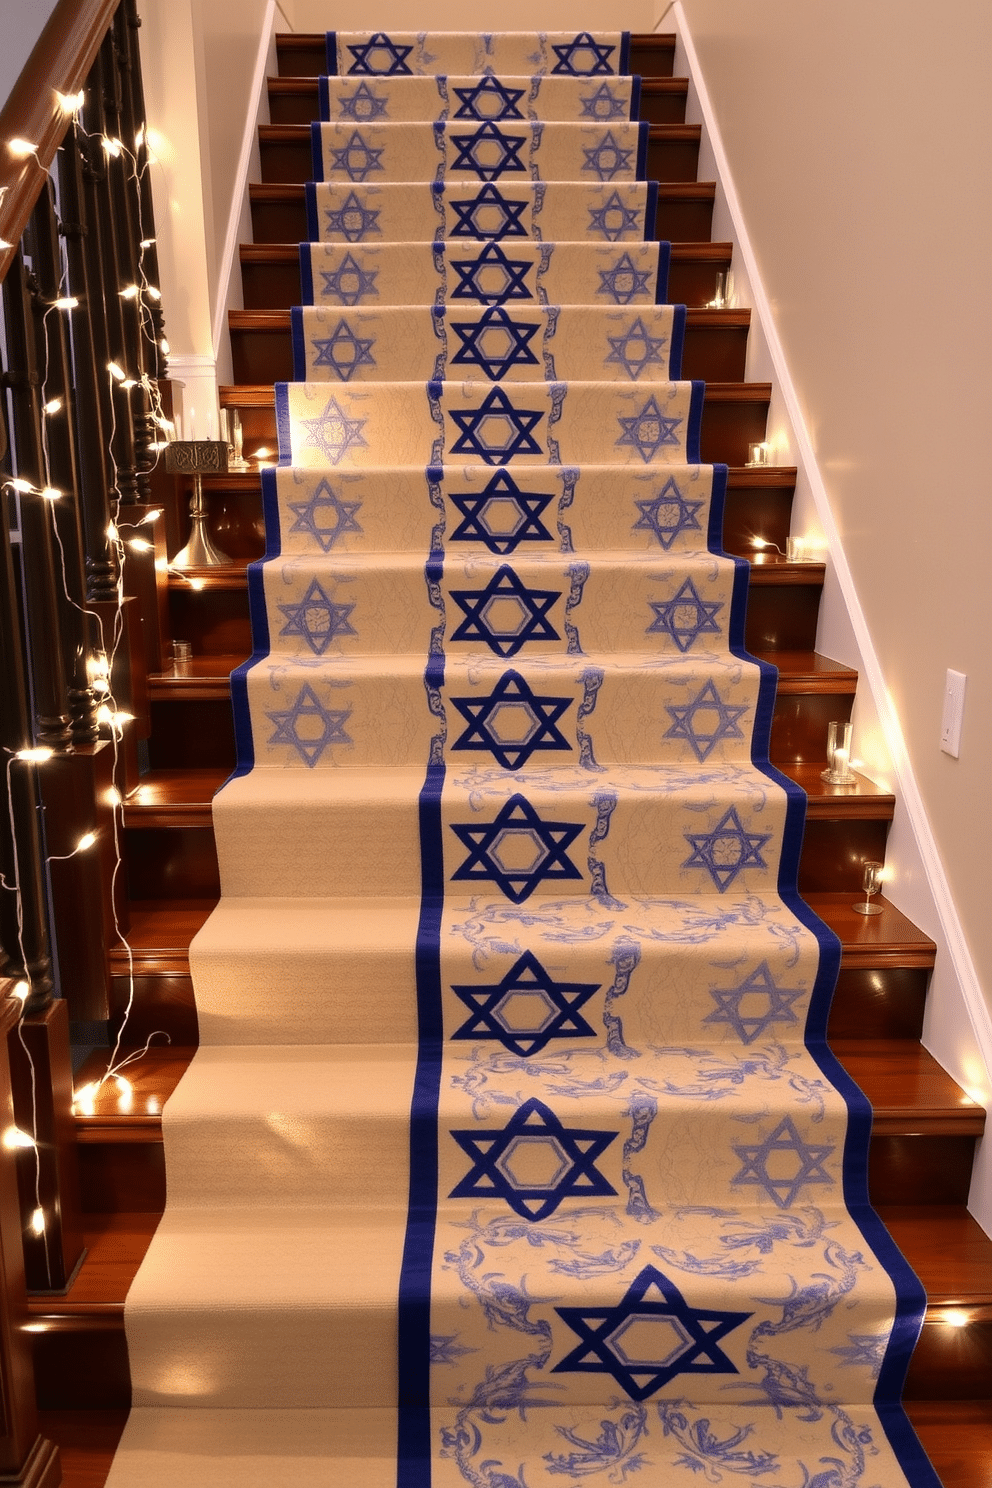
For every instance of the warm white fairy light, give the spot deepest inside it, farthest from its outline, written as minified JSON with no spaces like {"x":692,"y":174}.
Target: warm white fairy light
{"x":54,"y":405}
{"x":113,"y":147}
{"x":50,"y":493}
{"x":131,"y":292}
{"x":84,"y":1100}
{"x":70,"y":103}
{"x":147,"y":242}
{"x":140,"y":545}
{"x":21,"y":990}
{"x":112,"y":534}
{"x":21,"y":148}
{"x":13,"y":1138}
{"x":36,"y":756}
{"x":166,"y":348}
{"x":20,"y":485}
{"x":113,"y":796}
{"x":152,"y":292}
{"x":116,"y":371}
{"x":87,"y":840}
{"x":66,"y":302}
{"x":38,"y":1222}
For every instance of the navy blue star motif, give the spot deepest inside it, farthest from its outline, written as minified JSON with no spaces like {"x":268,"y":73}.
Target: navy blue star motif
{"x":624,"y":281}
{"x":636,"y":349}
{"x":505,"y":615}
{"x":754,"y":1005}
{"x":488,"y":215}
{"x":705,"y":721}
{"x":379,"y":57}
{"x":686,"y":617}
{"x":512,"y":722}
{"x":494,"y":342}
{"x":583,"y":57}
{"x":312,"y":515}
{"x":534,"y":1162}
{"x":343,"y":351}
{"x":308,"y":726}
{"x":353,"y":221}
{"x":649,"y":431}
{"x":491,"y":277}
{"x":727,"y":850}
{"x":517,"y":851}
{"x":349,"y":282}
{"x":317,"y":619}
{"x":604,"y":104}
{"x":333,"y":433}
{"x":488,"y":152}
{"x":650,"y":1337}
{"x":668,"y":514}
{"x":607,"y":159}
{"x":496,"y":431}
{"x":613,"y":219}
{"x":363,"y":105}
{"x":783,"y":1145}
{"x":501,"y":515}
{"x":489,"y":99}
{"x":357,"y":159}
{"x":526,"y":1010}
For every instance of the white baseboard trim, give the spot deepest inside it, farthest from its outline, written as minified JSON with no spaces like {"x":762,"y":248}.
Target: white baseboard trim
{"x":963,"y":1009}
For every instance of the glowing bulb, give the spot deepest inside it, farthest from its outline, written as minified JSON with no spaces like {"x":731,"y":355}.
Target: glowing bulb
{"x":67,"y":302}
{"x":112,"y":534}
{"x":152,"y":292}
{"x":197,"y":583}
{"x":34,"y":756}
{"x":104,"y":715}
{"x":114,"y":797}
{"x":20,"y":485}
{"x":54,"y":405}
{"x":13,"y":1137}
{"x":154,"y":1105}
{"x":101,"y":686}
{"x":98,"y":665}
{"x":116,"y":371}
{"x":140,"y":545}
{"x":113,"y":147}
{"x":119,"y":720}
{"x":70,"y":103}
{"x":85,"y":1099}
{"x":22,"y":991}
{"x":759,"y":543}
{"x":262,"y":453}
{"x":4,"y":245}
{"x":147,"y":242}
{"x":954,"y":1317}
{"x":50,"y":493}
{"x":21,"y":148}
{"x":152,"y":516}
{"x":129,"y":382}
{"x":131,"y":293}
{"x":38,"y":1222}
{"x":166,"y":348}
{"x":139,"y":138}
{"x":87,"y":840}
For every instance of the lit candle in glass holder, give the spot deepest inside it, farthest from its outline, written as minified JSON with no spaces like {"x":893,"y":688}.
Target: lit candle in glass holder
{"x":757,"y":454}
{"x":838,"y":771}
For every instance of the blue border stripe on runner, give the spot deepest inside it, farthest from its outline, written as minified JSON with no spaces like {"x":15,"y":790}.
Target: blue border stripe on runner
{"x":324,"y":95}
{"x":243,"y":740}
{"x":331,"y":48}
{"x":694,"y":423}
{"x":643,"y":133}
{"x":316,"y":150}
{"x":624,"y":63}
{"x":299,"y":343}
{"x":651,"y":212}
{"x":635,"y":97}
{"x":678,"y":342}
{"x":313,"y":220}
{"x":306,"y":273}
{"x":664,"y":267}
{"x":284,"y":433}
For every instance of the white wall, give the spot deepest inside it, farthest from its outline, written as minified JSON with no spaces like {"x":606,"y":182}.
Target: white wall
{"x":21,"y":23}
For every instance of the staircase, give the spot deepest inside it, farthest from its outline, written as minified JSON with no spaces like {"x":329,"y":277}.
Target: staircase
{"x":925,"y":1127}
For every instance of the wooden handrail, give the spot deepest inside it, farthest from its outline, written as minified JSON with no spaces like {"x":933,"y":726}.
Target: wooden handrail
{"x":59,"y":63}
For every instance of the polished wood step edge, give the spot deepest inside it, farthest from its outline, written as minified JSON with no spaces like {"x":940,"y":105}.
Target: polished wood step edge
{"x":262,"y":395}
{"x":278,"y":322}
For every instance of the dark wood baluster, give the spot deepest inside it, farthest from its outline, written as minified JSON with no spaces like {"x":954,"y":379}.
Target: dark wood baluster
{"x":92,"y":403}
{"x":99,"y":119}
{"x":52,"y":339}
{"x":45,"y":641}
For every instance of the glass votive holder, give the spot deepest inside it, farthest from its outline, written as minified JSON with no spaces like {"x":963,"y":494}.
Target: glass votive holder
{"x":723,"y":295}
{"x":757,"y":454}
{"x":182,"y":656}
{"x":838,"y":771}
{"x":795,"y":549}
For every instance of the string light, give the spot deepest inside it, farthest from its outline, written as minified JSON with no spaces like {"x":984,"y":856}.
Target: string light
{"x":22,"y":991}
{"x":38,"y":1222}
{"x":113,"y":147}
{"x":70,"y":103}
{"x":36,"y":756}
{"x":54,"y":405}
{"x":116,"y":371}
{"x":67,"y":302}
{"x":21,"y":148}
{"x":50,"y":493}
{"x":140,"y":545}
{"x":21,"y":485}
{"x":13,"y":1138}
{"x":130,"y":293}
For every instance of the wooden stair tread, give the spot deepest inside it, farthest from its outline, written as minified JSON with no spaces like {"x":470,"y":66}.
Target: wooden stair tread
{"x":115,"y":1247}
{"x":277,"y":322}
{"x":300,"y":134}
{"x":262,"y":395}
{"x":739,"y":478}
{"x":295,"y":191}
{"x":830,"y":802}
{"x":909,"y":1092}
{"x":289,"y":253}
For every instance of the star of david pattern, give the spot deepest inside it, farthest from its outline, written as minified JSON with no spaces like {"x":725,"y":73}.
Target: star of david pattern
{"x":613,"y":219}
{"x":512,"y":723}
{"x":526,"y":1010}
{"x":511,"y":1163}
{"x":380,"y":57}
{"x":353,"y":220}
{"x":623,"y":281}
{"x":583,"y":57}
{"x":326,"y":517}
{"x":650,"y":1337}
{"x":705,"y":721}
{"x":727,"y":850}
{"x":491,"y":277}
{"x":636,"y":349}
{"x":501,"y":515}
{"x":489,"y":99}
{"x":357,"y":160}
{"x":764,"y":1164}
{"x":363,"y":105}
{"x":349,"y":282}
{"x":505,"y":614}
{"x":685,"y":617}
{"x":604,"y":104}
{"x":495,"y":343}
{"x":317,"y":619}
{"x":333,"y":433}
{"x":496,"y":431}
{"x":343,"y":351}
{"x":517,"y":851}
{"x":668,"y":514}
{"x":648,"y":431}
{"x":488,"y":215}
{"x":308,"y":726}
{"x":488,"y":152}
{"x":739,"y":1006}
{"x":608,"y":159}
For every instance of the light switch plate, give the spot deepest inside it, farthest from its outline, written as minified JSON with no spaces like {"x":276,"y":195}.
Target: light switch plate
{"x":950,"y":723}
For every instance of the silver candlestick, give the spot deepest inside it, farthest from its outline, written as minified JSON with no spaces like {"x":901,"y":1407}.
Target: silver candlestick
{"x":198,"y":457}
